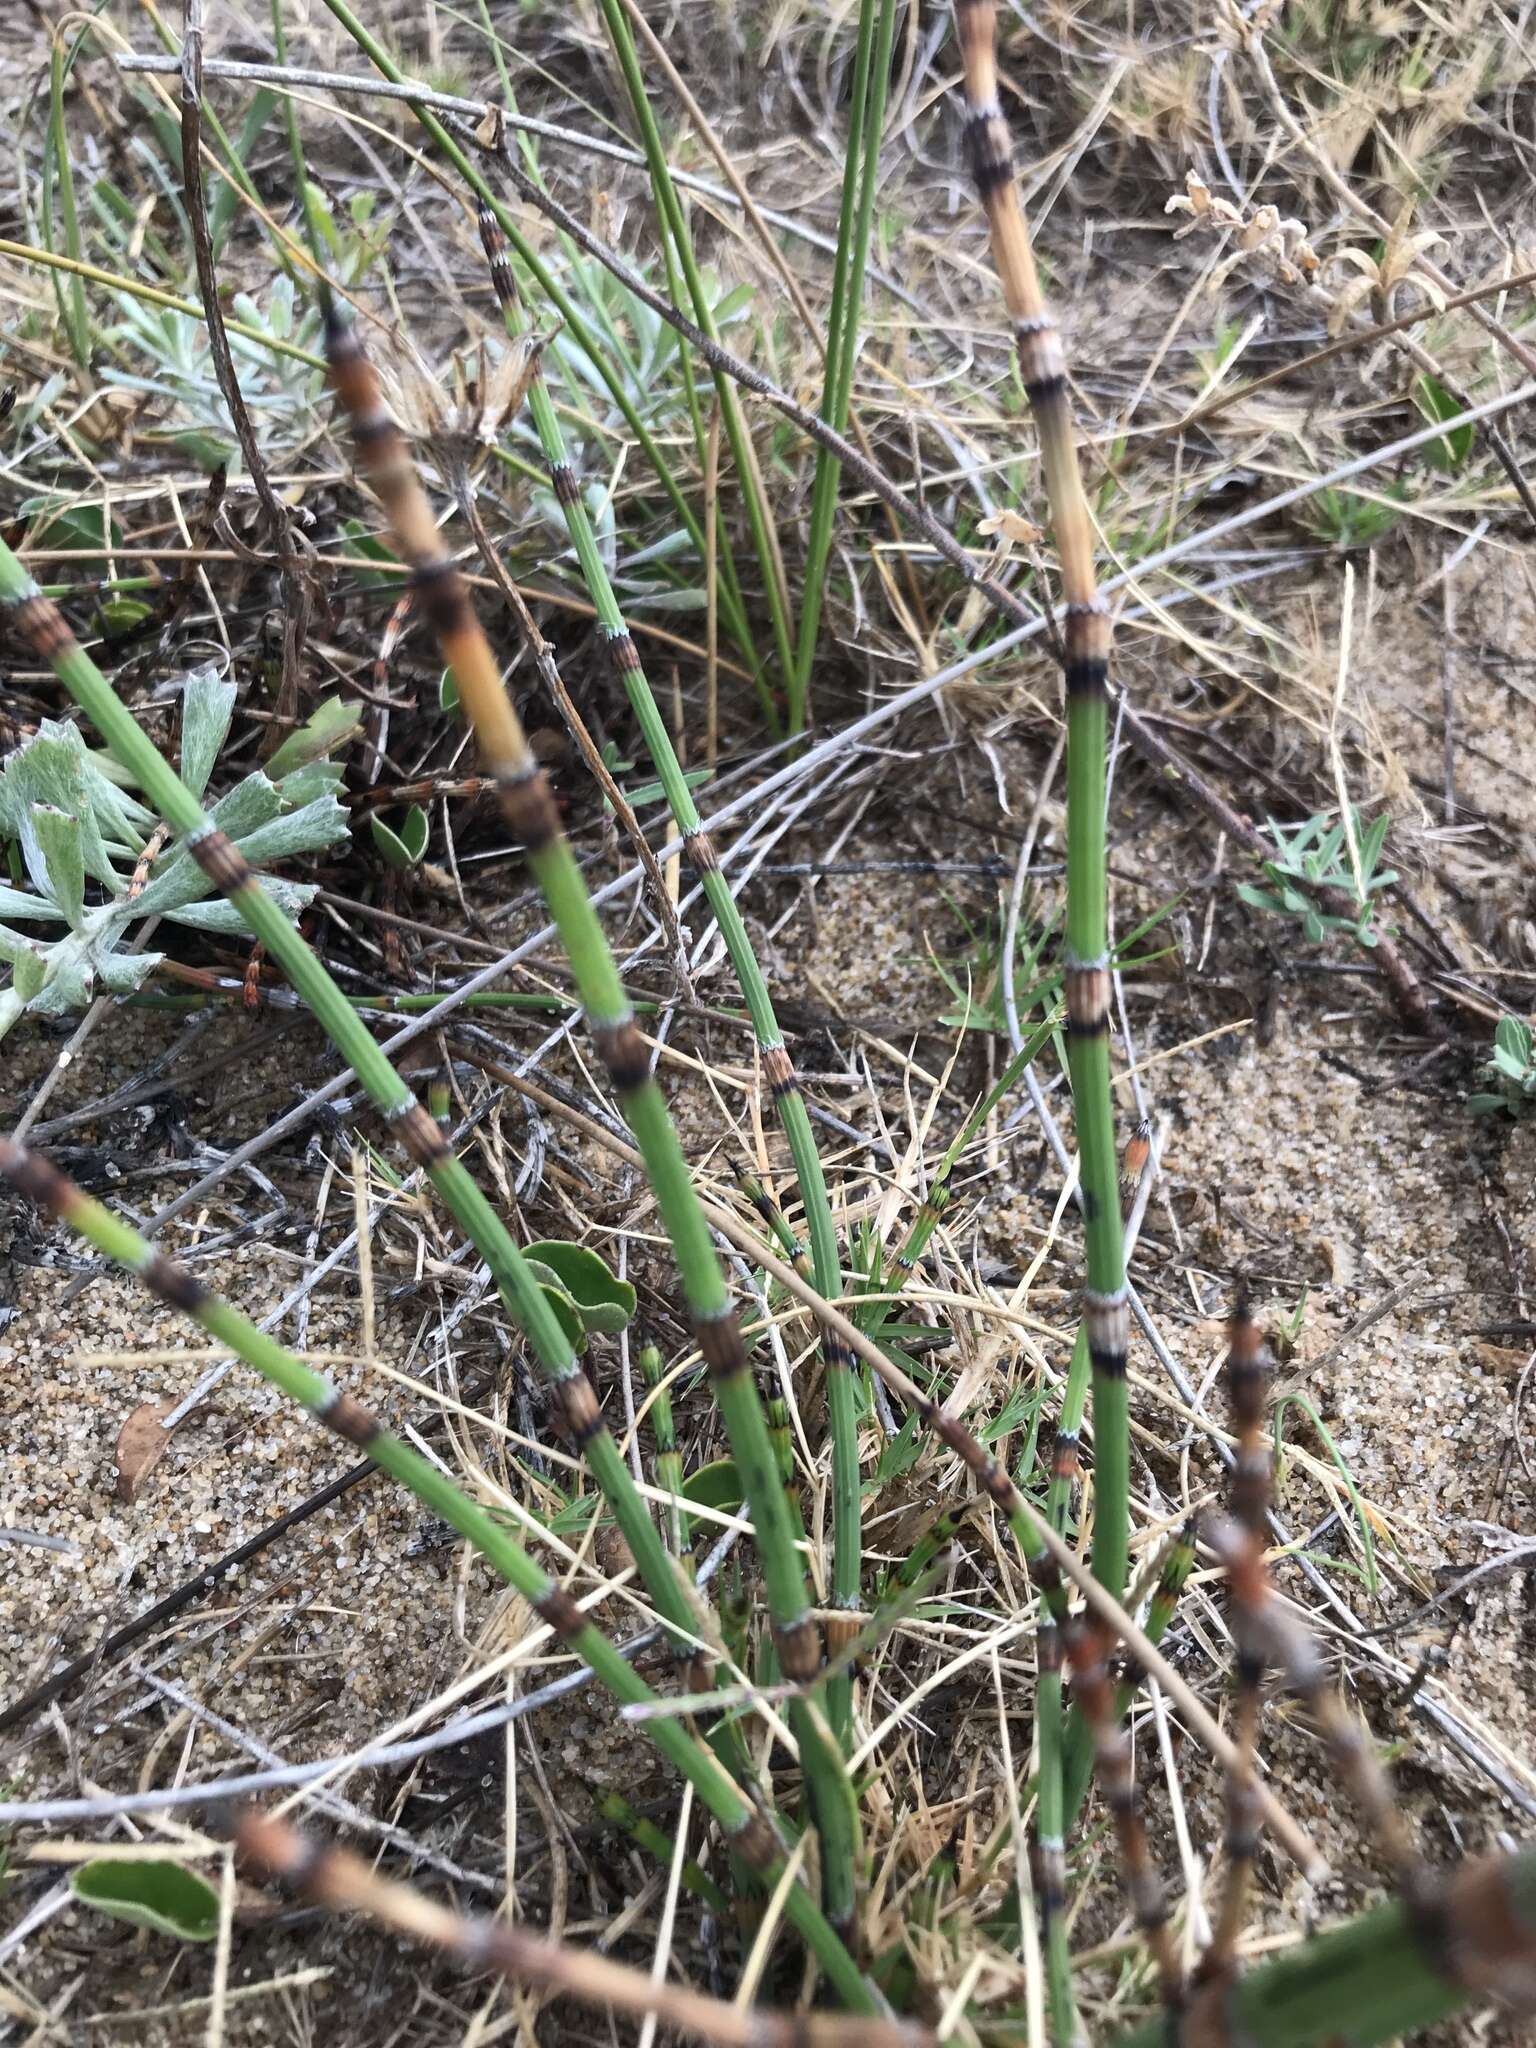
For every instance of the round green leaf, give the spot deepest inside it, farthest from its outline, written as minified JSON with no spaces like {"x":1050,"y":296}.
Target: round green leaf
{"x":606,"y":1302}
{"x":715,"y":1486}
{"x":159,"y":1895}
{"x":402,"y":849}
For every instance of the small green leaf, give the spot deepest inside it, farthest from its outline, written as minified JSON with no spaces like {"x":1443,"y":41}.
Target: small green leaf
{"x":447,"y":691}
{"x":1514,"y":1037}
{"x":28,"y":972}
{"x":159,"y":1895}
{"x":1486,"y":1105}
{"x":604,"y":1301}
{"x":1436,"y":403}
{"x":58,"y":838}
{"x":402,"y":849}
{"x":330,"y":725}
{"x":715,"y":1486}
{"x":119,"y":615}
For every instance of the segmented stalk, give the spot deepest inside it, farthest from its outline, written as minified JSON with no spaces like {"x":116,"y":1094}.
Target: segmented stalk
{"x":750,"y":1834}
{"x":1250,"y":1366}
{"x":529,"y":806}
{"x":1088,"y":1649}
{"x":1042,"y":366}
{"x":669,"y":1466}
{"x":1383,"y":1975}
{"x":778,"y":1067}
{"x":1173,"y":1568}
{"x":411,"y":1124}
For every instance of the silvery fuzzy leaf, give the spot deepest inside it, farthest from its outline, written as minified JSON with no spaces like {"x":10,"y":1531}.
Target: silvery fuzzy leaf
{"x":207,"y":705}
{"x":17,"y":903}
{"x":69,"y":986}
{"x":219,"y":916}
{"x":249,"y":804}
{"x":318,"y":824}
{"x":51,"y":769}
{"x":58,"y":838}
{"x":122,"y":973}
{"x":29,"y":970}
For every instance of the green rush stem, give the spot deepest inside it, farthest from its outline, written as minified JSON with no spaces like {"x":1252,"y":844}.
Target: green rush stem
{"x":1375,"y":1978}
{"x":346,"y":1417}
{"x":1042,"y":367}
{"x":669,"y":207}
{"x":409,"y":1123}
{"x":1049,"y":1831}
{"x":532,"y":814}
{"x":778,"y":1068}
{"x":776,"y":1221}
{"x":374,"y":50}
{"x":647,"y":1836}
{"x":866,"y":124}
{"x":70,"y":289}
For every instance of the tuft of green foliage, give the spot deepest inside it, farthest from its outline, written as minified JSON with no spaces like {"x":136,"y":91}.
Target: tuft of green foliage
{"x":1510,"y":1076}
{"x":1315,"y":855}
{"x":74,"y":834}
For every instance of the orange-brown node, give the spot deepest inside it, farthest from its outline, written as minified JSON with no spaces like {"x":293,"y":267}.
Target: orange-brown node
{"x":220,"y":860}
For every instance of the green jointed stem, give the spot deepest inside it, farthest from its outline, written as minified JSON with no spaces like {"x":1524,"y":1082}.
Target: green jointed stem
{"x":1042,"y":366}
{"x":866,"y":124}
{"x":533,"y":816}
{"x":347,"y":1418}
{"x":577,"y":328}
{"x":779,"y":1069}
{"x":1376,"y":1979}
{"x":411,"y":1124}
{"x":669,"y":1466}
{"x":647,"y":1836}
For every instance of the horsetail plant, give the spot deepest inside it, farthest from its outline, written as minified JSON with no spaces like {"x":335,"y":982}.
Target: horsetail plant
{"x":1449,"y":1936}
{"x":528,"y":803}
{"x":674,"y":225}
{"x":549,"y":285}
{"x":1042,"y":366}
{"x":750,"y":1833}
{"x":778,"y":1067}
{"x":207,"y":846}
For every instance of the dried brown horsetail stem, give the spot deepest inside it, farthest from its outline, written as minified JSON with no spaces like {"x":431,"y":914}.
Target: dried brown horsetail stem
{"x":1249,"y":1368}
{"x":439,"y":589}
{"x":336,"y":1879}
{"x":1268,"y":1632}
{"x":1088,"y":1648}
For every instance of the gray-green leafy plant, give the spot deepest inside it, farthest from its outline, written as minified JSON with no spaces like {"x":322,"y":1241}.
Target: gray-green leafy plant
{"x":1315,"y":855}
{"x":1510,"y":1076}
{"x":77,"y":833}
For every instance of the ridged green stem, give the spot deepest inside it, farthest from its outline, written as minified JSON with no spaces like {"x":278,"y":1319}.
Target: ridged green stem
{"x":1370,"y":1981}
{"x":841,"y":1399}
